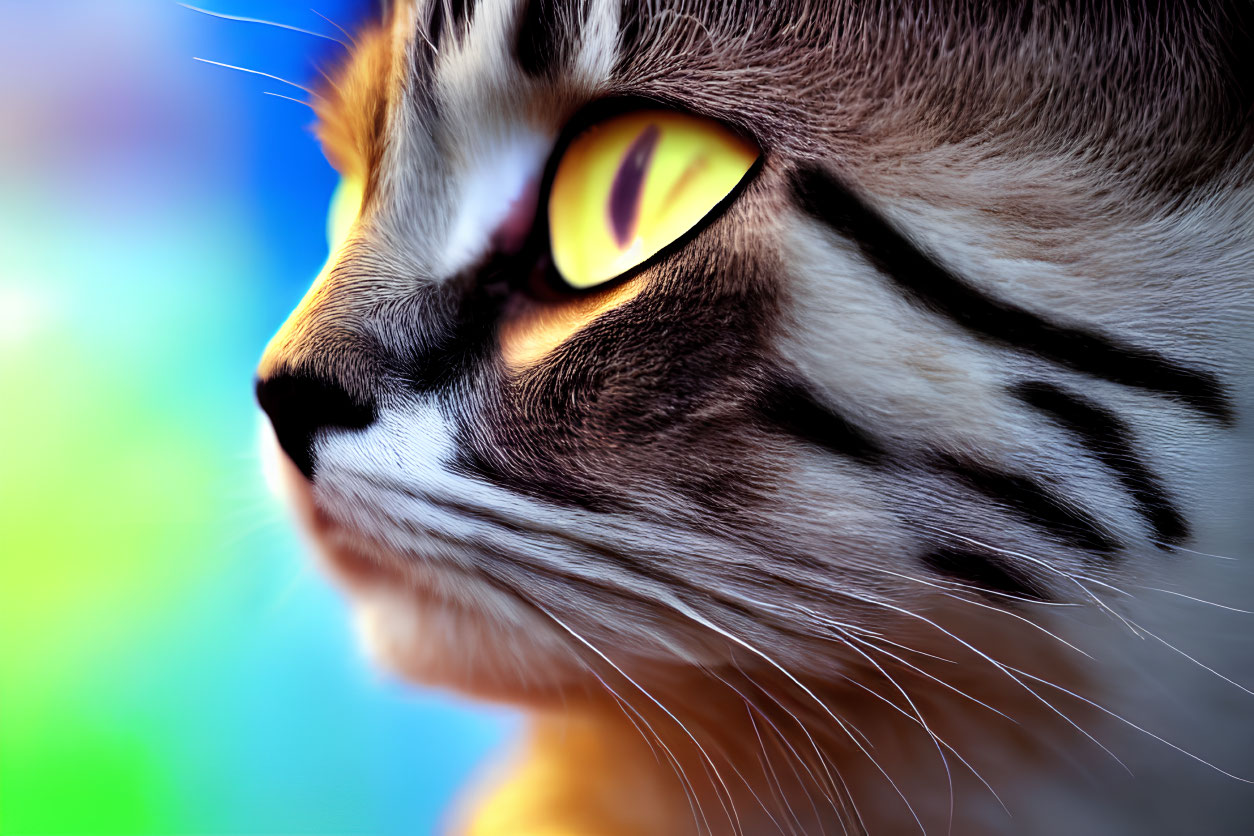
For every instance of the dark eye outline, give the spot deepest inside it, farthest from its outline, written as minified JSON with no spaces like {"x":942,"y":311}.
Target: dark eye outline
{"x":545,"y":282}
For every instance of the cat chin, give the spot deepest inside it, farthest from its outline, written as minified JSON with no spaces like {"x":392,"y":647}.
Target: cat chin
{"x":435,"y":626}
{"x":439,"y":643}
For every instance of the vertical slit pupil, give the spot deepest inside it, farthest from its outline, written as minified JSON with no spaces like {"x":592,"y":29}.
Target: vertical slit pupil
{"x":628,"y":185}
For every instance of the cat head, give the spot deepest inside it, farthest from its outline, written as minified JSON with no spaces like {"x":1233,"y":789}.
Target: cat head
{"x":942,"y":338}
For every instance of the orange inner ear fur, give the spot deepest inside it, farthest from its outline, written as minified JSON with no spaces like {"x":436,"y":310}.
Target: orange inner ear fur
{"x":531,"y":330}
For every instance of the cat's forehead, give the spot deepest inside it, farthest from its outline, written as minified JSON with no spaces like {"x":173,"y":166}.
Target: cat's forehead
{"x":444,"y":103}
{"x":464,"y":68}
{"x":450,"y":112}
{"x":453,"y":73}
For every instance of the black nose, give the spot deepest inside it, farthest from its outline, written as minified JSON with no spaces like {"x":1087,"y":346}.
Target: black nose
{"x":299,"y":405}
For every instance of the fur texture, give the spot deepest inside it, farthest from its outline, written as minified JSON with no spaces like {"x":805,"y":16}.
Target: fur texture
{"x":892,"y":500}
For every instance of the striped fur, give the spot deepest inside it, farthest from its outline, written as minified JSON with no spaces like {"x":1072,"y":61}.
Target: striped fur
{"x":859,"y":499}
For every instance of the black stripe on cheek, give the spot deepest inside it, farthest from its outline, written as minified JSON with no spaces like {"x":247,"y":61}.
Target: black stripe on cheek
{"x":1109,"y":439}
{"x":987,"y":571}
{"x":1034,"y":503}
{"x":926,"y":282}
{"x":544,"y":35}
{"x":789,"y":406}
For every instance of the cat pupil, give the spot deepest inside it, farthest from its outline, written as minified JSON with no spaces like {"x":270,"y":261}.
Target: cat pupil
{"x":628,"y":185}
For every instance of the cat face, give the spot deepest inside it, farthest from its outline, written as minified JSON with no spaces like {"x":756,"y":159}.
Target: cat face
{"x":946,"y":339}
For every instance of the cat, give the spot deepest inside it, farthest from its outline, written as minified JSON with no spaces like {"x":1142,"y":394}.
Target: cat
{"x":898,"y":483}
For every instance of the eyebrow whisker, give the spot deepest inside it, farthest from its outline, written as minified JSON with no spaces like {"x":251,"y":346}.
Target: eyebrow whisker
{"x":275,"y":24}
{"x":289,"y":98}
{"x":256,"y":72}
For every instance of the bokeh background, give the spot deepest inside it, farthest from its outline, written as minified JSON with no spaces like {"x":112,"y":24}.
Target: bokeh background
{"x":168,"y":661}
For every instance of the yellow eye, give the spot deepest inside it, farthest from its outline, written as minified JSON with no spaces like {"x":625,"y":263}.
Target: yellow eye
{"x":629,"y":186}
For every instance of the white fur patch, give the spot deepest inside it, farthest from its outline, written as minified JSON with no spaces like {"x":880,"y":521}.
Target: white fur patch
{"x":503,"y":166}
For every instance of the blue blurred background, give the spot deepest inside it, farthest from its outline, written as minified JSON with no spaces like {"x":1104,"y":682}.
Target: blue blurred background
{"x":168,"y":663}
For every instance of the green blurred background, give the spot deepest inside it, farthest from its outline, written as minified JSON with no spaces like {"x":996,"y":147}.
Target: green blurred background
{"x":168,"y":663}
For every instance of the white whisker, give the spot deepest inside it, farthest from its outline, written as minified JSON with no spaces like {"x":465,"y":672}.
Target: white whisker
{"x":983,"y":605}
{"x":690,"y":793}
{"x":772,"y":777}
{"x":289,"y":98}
{"x":349,"y":35}
{"x":1050,"y":568}
{"x":818,"y":783}
{"x":823,"y":760}
{"x":275,"y":24}
{"x":935,"y":679}
{"x":256,"y":72}
{"x":1195,"y":661}
{"x":1198,"y":600}
{"x":732,"y":763}
{"x":916,"y":717}
{"x":1174,"y":547}
{"x":732,"y":814}
{"x":1133,"y":725}
{"x":1000,"y":666}
{"x":844,"y":725}
{"x":963,"y":760}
